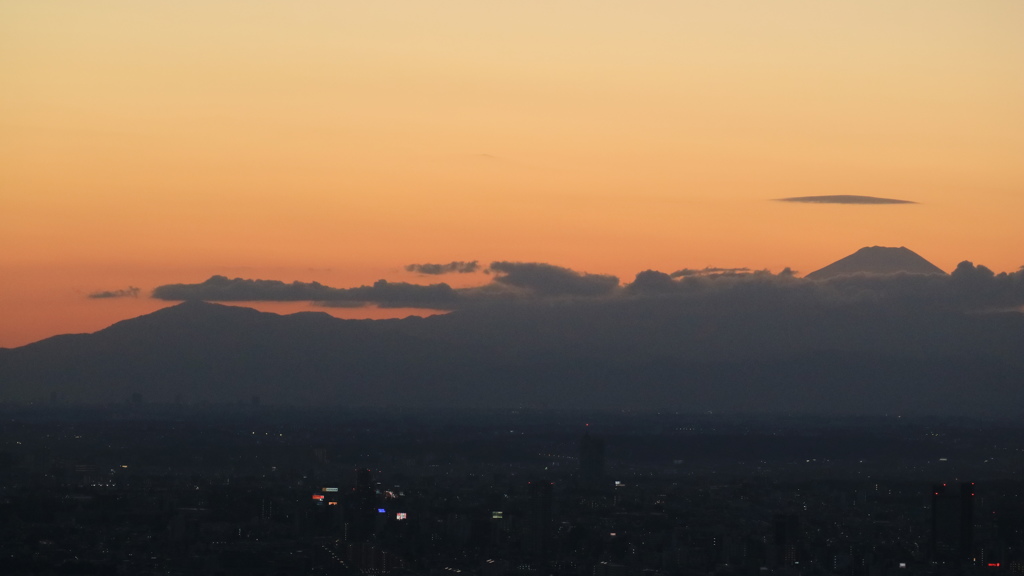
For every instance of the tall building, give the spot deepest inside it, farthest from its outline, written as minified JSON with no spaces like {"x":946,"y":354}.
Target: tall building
{"x":361,"y":508}
{"x":952,"y":538}
{"x":537,"y":539}
{"x":591,"y":472}
{"x":787,"y":537}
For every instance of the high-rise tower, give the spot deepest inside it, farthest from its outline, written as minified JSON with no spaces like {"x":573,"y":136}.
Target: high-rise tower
{"x":538,"y":518}
{"x":361,"y":507}
{"x":952,"y":522}
{"x":591,"y":462}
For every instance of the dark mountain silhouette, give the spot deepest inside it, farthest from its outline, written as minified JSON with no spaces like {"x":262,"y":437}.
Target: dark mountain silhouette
{"x":769,"y":355}
{"x":877,"y":260}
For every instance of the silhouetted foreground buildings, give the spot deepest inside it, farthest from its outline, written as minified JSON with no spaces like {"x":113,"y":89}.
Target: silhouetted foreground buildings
{"x":261,"y":492}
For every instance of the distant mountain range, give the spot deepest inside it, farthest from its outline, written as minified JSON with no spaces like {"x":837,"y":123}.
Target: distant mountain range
{"x":904,"y":344}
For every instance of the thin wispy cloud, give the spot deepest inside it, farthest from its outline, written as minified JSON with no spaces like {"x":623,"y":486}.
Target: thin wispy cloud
{"x":449,"y":268}
{"x":708,"y":271}
{"x":129,"y":292}
{"x":844,"y":199}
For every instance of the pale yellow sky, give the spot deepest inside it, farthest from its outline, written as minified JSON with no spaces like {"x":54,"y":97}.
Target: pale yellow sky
{"x":144,"y":143}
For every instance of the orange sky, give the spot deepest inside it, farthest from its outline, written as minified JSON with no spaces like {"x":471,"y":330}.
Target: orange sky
{"x":144,"y":143}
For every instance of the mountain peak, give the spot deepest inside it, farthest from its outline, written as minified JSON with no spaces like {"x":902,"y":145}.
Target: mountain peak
{"x":878,"y":260}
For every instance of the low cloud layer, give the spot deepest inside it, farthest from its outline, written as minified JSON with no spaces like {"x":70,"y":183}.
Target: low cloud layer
{"x":129,"y":292}
{"x":449,"y":268}
{"x":845,"y":199}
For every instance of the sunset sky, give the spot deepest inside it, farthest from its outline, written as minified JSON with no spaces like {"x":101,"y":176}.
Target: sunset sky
{"x":147,"y":143}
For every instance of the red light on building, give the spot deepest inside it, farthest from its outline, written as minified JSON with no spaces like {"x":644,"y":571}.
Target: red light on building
{"x":318,"y":497}
{"x":993,"y":564}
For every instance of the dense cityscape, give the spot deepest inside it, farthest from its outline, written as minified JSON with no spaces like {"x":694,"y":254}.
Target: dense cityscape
{"x":136,"y":488}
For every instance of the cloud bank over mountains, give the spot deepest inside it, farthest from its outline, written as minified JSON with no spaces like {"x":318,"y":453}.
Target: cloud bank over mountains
{"x":883,"y":344}
{"x":968,"y":286}
{"x":510,"y":281}
{"x":548,"y":280}
{"x":546,"y":336}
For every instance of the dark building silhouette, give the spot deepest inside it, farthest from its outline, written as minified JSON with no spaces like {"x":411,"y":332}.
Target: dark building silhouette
{"x":787,"y":537}
{"x":952,"y":537}
{"x":361,"y":508}
{"x":537,"y":540}
{"x":591,"y":471}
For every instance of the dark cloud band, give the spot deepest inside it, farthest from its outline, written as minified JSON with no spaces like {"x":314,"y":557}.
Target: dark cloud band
{"x":224,"y":289}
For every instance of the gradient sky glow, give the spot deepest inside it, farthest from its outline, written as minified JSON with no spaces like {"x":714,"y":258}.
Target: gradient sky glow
{"x":144,"y":143}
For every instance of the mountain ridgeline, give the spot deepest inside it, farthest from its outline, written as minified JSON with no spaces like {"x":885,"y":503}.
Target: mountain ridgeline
{"x":905,"y":343}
